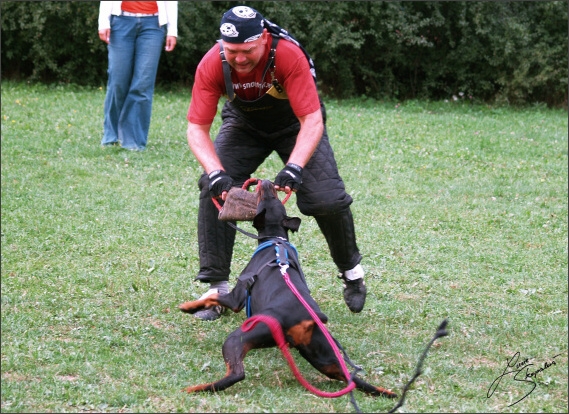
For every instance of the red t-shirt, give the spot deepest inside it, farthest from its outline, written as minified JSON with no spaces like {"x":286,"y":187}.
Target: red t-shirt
{"x":291,"y":70}
{"x":148,"y":7}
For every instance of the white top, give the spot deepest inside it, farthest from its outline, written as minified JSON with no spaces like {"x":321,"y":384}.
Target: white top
{"x":167,"y":14}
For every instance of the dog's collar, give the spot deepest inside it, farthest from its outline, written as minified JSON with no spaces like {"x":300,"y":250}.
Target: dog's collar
{"x":272,"y":242}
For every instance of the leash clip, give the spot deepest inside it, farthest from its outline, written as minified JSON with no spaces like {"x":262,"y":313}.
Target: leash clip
{"x":282,"y":257}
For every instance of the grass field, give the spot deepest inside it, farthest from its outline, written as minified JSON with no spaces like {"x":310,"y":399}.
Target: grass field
{"x":460,"y":210}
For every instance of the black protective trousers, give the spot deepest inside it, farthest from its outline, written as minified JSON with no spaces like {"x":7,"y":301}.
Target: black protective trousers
{"x":242,"y":148}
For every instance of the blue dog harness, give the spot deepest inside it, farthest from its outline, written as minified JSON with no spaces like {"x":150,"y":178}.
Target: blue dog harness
{"x":281,"y":259}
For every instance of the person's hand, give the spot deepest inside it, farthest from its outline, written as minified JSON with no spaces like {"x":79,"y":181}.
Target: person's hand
{"x":170,"y":43}
{"x":289,"y":179}
{"x":105,"y":35}
{"x":219,"y":183}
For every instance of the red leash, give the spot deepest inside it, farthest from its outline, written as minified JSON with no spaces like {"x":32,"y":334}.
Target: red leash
{"x":279,"y":338}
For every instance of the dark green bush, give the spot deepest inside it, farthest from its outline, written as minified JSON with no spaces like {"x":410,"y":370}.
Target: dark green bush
{"x":512,"y":52}
{"x":53,"y":41}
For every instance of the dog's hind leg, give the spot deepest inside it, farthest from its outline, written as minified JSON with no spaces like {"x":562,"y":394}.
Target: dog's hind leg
{"x":235,"y":348}
{"x":322,"y":357}
{"x":331,"y":368}
{"x":372,"y":389}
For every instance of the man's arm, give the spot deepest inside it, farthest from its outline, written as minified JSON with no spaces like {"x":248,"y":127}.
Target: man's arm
{"x":311,"y":130}
{"x":202,"y":146}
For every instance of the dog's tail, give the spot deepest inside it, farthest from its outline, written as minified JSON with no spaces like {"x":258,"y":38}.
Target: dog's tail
{"x":441,"y":331}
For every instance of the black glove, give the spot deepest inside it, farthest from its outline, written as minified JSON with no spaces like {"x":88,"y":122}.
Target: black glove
{"x":219,"y":181}
{"x":290,"y":176}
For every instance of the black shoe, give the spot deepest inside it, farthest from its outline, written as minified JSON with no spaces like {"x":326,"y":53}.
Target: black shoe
{"x":355,"y":294}
{"x":212,"y":313}
{"x":354,"y":290}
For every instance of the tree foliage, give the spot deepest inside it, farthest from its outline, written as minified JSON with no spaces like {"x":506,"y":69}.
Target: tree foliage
{"x":514,"y":52}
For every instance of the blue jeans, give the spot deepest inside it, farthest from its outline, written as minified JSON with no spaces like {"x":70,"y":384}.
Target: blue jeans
{"x":134,"y":52}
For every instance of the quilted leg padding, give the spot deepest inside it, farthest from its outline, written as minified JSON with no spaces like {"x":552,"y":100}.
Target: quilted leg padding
{"x":322,"y":191}
{"x":215,"y":239}
{"x":340,"y":234}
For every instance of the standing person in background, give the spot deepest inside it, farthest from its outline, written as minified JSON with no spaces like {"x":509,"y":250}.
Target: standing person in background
{"x":134,"y":32}
{"x":273,"y":105}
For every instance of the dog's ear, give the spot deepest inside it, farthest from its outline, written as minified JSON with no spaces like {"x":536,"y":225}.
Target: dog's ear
{"x":291,"y":223}
{"x":259,"y":220}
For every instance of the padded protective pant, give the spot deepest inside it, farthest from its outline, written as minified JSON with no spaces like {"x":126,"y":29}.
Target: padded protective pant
{"x":242,"y":149}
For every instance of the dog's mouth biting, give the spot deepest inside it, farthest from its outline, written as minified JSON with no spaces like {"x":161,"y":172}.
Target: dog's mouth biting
{"x":267,"y":199}
{"x":265,"y":191}
{"x":271,"y":218}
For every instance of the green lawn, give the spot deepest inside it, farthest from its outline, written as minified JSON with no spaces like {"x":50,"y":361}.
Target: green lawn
{"x":460,"y":210}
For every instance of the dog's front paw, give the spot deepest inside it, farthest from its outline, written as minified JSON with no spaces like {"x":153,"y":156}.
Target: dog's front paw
{"x":190,"y":307}
{"x":200,"y":304}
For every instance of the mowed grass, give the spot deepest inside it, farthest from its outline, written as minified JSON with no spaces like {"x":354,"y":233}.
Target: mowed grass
{"x":460,"y":211}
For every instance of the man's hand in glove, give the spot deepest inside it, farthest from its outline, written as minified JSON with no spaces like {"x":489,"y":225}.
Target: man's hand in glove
{"x":219,"y":183}
{"x":289,"y":179}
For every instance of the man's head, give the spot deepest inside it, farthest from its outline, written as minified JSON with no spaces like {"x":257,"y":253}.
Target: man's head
{"x":241,"y":24}
{"x":244,"y":38}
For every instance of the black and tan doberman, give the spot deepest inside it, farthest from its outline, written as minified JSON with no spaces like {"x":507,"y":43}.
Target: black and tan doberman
{"x":261,"y":289}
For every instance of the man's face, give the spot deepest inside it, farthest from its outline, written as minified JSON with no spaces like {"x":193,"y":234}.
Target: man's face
{"x":243,"y":57}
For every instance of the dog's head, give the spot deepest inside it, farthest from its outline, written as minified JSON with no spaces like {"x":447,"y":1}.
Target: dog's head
{"x":271,"y":219}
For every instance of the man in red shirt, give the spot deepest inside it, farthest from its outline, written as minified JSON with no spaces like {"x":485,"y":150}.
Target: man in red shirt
{"x":272,"y":105}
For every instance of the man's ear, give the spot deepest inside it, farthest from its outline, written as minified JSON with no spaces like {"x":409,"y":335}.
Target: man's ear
{"x":266,"y":36}
{"x":291,"y":223}
{"x":259,"y":220}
